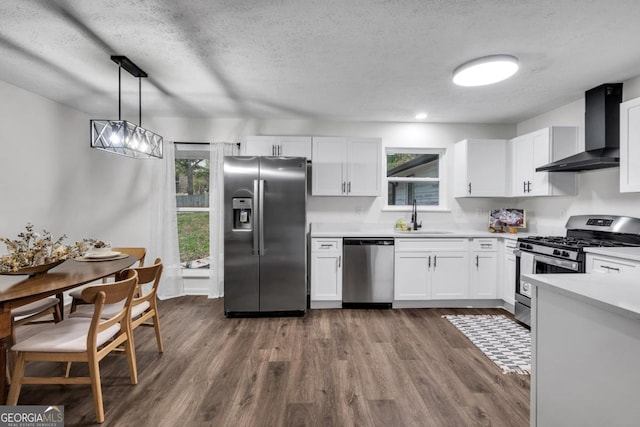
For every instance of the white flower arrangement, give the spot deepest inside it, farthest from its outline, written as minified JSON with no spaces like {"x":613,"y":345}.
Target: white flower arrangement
{"x":32,"y":249}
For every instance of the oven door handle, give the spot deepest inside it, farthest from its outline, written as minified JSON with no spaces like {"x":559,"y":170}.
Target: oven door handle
{"x":569,"y":265}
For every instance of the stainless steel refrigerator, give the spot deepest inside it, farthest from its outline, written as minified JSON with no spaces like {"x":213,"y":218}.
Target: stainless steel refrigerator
{"x":265,"y":235}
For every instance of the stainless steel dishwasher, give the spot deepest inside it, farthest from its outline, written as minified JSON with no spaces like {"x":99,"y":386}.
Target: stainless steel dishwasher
{"x":367,"y":274}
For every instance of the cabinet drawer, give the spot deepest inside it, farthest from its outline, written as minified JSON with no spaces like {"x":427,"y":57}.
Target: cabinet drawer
{"x":600,"y":265}
{"x":484,"y":245}
{"x":326,"y":245}
{"x":435,"y":244}
{"x":510,"y":244}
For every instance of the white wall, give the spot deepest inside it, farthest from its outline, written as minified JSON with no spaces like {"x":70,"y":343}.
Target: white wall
{"x":50,"y":177}
{"x":598,"y":190}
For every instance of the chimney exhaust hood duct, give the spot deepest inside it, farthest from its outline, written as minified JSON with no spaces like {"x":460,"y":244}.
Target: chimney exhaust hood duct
{"x":601,"y":133}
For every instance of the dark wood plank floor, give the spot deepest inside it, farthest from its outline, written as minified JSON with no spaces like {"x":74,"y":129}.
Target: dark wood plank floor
{"x":404,"y":367}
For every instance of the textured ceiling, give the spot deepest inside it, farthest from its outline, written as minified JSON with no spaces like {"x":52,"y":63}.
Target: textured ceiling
{"x":370,"y":60}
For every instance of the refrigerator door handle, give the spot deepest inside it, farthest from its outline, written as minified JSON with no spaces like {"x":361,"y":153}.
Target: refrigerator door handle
{"x":256,"y":227}
{"x":262,"y":249}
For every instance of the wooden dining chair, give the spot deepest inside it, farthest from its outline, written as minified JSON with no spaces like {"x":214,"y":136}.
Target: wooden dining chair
{"x":82,"y":340}
{"x":144,"y":307}
{"x":31,"y":313}
{"x":138,"y":253}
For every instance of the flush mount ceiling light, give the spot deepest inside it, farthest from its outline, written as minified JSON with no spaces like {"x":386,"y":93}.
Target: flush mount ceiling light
{"x":485,"y":70}
{"x":421,"y":116}
{"x":123,"y":137}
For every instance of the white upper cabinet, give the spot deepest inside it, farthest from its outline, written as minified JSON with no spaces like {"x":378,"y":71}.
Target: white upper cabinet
{"x":481,"y":168}
{"x":259,"y":146}
{"x":363,"y":166}
{"x":346,"y":166}
{"x":295,"y":146}
{"x":288,"y":146}
{"x":630,"y":146}
{"x":537,"y":149}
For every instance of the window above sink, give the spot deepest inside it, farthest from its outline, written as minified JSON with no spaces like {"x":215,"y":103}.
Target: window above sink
{"x":414,"y":173}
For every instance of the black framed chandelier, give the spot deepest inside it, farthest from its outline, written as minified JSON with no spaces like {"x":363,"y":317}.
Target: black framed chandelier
{"x":121,"y":136}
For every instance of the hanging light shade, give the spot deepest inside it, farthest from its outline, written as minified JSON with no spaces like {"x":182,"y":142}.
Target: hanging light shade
{"x":121,"y":136}
{"x":485,"y":70}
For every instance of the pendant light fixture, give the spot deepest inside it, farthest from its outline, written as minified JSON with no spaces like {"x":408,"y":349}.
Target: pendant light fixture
{"x":486,"y":70}
{"x":121,"y":136}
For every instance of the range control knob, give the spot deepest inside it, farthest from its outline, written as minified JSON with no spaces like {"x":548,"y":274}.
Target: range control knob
{"x":565,"y":254}
{"x":556,"y":251}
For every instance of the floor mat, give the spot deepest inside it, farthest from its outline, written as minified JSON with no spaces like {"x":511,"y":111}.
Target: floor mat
{"x":504,"y":341}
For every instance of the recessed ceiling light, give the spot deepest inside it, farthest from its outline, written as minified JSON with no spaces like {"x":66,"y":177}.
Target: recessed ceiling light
{"x":485,"y":70}
{"x":421,"y":116}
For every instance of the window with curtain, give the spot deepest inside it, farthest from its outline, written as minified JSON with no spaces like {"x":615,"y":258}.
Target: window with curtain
{"x":192,"y":167}
{"x":199,"y":184}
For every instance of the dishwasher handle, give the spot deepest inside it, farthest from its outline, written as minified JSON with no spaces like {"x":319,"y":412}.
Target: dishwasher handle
{"x":368,"y":242}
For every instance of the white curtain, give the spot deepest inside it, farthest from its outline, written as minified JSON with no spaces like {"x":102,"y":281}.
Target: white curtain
{"x":164,"y":225}
{"x":216,"y":216}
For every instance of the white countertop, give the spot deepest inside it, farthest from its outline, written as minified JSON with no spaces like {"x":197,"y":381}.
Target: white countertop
{"x":616,"y":293}
{"x":632,"y":254}
{"x":386,"y":230}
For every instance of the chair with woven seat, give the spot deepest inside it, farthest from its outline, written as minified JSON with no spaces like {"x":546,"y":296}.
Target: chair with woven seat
{"x":138,"y":253}
{"x":144,"y":306}
{"x":82,"y":340}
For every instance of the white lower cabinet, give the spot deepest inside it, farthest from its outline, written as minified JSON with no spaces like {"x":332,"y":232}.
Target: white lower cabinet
{"x":508,"y":276}
{"x":428,"y":269}
{"x":326,"y":273}
{"x":450,"y":275}
{"x":611,"y":265}
{"x":484,"y":269}
{"x":412,"y":276}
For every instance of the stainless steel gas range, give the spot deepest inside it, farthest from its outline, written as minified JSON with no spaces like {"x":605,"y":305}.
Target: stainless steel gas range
{"x":565,"y":254}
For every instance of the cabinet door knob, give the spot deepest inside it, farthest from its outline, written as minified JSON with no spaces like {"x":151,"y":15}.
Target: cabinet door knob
{"x":477,"y":261}
{"x":469,"y":188}
{"x":435,"y":260}
{"x":429,"y":261}
{"x":349,"y":187}
{"x":343,"y":186}
{"x":524,"y":186}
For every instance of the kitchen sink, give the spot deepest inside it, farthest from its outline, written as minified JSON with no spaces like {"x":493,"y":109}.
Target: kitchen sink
{"x":425,"y":232}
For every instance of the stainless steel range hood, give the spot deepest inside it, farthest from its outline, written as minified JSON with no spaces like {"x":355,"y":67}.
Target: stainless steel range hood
{"x":602,"y":133}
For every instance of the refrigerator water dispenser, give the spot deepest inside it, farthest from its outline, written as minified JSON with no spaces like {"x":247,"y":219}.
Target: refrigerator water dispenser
{"x":242,"y":213}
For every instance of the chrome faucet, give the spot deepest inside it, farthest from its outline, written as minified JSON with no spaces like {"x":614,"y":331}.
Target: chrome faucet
{"x":414,"y":217}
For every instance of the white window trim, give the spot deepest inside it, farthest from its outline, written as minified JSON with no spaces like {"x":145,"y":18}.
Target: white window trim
{"x":194,"y":209}
{"x":442,"y":174}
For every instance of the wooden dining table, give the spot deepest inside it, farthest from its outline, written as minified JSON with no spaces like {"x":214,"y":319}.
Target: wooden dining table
{"x":16,"y":291}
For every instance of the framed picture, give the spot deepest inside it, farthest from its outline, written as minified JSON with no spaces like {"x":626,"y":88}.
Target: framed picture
{"x":507,"y":217}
